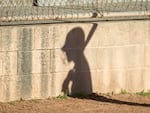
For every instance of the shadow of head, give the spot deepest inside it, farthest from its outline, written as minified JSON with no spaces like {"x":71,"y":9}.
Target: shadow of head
{"x":74,"y":43}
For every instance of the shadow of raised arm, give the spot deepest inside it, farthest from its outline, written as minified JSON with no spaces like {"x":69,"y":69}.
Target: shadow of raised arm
{"x":90,"y":34}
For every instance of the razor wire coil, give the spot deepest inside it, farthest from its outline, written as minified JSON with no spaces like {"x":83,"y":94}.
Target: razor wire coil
{"x":16,"y":10}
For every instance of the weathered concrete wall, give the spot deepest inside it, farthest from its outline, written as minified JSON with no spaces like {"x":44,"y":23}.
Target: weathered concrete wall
{"x":39,"y":61}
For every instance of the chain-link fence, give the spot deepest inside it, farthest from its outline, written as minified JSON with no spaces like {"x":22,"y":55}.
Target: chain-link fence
{"x":33,"y":10}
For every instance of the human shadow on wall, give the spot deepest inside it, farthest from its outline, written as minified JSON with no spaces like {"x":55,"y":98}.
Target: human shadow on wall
{"x":79,"y":75}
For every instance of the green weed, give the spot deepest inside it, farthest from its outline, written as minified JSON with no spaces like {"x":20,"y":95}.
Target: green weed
{"x":143,"y":93}
{"x":123,"y":91}
{"x":64,"y":96}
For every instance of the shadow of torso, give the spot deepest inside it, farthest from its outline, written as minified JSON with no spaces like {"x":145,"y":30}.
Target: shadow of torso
{"x":80,"y":77}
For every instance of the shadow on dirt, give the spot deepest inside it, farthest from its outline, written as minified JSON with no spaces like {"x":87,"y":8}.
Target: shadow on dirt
{"x":106,"y":99}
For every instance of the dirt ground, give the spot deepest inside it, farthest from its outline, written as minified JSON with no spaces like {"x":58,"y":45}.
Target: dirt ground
{"x":123,"y":103}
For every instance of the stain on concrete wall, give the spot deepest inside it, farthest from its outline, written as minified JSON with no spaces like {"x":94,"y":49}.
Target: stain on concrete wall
{"x":25,"y":61}
{"x":8,"y":60}
{"x":45,"y":62}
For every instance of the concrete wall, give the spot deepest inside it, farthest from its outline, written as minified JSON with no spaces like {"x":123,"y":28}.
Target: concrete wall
{"x":41,"y":61}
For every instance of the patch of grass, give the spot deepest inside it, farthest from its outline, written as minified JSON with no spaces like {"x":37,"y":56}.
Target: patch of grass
{"x":143,"y":93}
{"x":64,"y":96}
{"x":123,"y":91}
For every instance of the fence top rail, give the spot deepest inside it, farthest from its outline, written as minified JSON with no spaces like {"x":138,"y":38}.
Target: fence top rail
{"x":76,"y":10}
